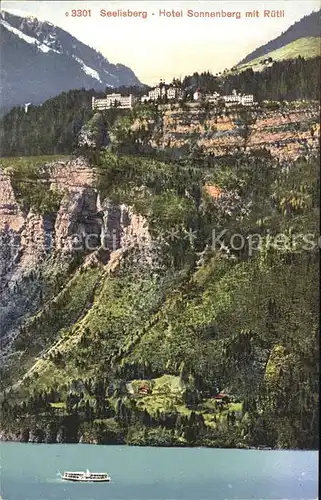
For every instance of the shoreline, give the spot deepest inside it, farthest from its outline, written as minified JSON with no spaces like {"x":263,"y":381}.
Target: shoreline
{"x":248,"y":448}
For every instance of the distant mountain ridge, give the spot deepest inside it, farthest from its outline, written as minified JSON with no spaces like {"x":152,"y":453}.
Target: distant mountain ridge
{"x":308,"y":26}
{"x":40,"y":60}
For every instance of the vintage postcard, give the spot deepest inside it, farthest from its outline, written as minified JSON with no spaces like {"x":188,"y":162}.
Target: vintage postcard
{"x":159,"y":249}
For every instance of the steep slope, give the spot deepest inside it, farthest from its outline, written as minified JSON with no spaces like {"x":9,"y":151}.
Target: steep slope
{"x":40,"y":60}
{"x":129,"y":339}
{"x":308,"y":26}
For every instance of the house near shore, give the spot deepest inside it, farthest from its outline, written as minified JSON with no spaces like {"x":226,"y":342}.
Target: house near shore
{"x":221,"y":397}
{"x":139,"y":388}
{"x":144,"y":389}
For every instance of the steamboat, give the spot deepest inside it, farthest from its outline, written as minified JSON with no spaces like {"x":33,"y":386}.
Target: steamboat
{"x":92,"y":477}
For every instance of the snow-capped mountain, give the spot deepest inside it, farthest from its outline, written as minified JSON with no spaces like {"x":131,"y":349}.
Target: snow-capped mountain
{"x":40,"y":60}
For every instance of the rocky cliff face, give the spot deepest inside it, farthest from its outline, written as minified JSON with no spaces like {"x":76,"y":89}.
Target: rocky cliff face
{"x":35,"y":247}
{"x":23,"y":238}
{"x":286,"y":133}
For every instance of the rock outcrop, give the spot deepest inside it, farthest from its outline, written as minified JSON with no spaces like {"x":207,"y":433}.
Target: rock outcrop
{"x":33,"y":244}
{"x":10,"y":213}
{"x":93,"y":134}
{"x":286,"y":133}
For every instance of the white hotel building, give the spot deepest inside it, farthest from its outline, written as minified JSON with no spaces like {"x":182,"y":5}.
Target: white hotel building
{"x":114,"y":100}
{"x":234,"y":98}
{"x":162,"y":91}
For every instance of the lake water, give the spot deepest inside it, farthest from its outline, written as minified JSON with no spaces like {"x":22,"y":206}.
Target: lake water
{"x":29,"y":472}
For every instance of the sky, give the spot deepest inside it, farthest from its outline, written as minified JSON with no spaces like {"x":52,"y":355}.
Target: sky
{"x":166,"y":47}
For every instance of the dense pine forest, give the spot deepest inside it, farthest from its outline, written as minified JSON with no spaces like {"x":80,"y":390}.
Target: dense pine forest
{"x":293,"y":79}
{"x":289,"y":80}
{"x":47,"y":129}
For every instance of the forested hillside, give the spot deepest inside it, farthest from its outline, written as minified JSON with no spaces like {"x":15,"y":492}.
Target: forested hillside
{"x":285,"y":80}
{"x":48,"y":129}
{"x":159,"y":274}
{"x":200,"y":328}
